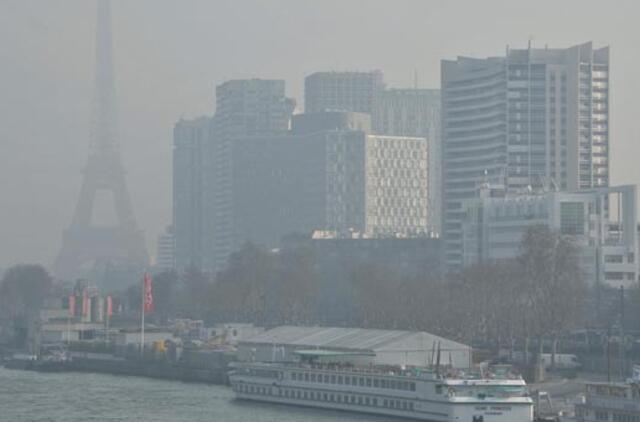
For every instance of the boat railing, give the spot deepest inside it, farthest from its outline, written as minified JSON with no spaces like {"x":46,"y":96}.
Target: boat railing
{"x":411,"y":372}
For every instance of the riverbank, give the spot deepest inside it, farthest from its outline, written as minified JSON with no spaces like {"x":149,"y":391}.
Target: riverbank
{"x":109,"y":364}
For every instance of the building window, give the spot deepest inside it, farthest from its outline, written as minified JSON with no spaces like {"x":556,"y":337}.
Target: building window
{"x":572,"y":218}
{"x":614,"y":259}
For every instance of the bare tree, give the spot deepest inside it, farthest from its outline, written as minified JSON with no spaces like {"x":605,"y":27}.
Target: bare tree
{"x":240,"y":291}
{"x":24,"y":289}
{"x":297,"y":288}
{"x":376,"y":296}
{"x":554,"y":285}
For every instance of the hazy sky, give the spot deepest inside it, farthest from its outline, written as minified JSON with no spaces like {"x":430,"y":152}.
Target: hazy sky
{"x":171,"y":53}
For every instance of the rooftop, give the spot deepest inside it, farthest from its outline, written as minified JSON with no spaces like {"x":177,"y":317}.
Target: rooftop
{"x":355,"y":338}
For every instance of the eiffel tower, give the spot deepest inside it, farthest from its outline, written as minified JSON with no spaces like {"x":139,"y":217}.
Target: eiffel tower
{"x":85,"y":243}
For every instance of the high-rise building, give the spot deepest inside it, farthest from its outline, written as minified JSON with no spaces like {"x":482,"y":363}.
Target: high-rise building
{"x":342,"y":91}
{"x":244,"y":108}
{"x":190,"y":144}
{"x":338,"y":179}
{"x":533,"y":119}
{"x":414,"y":112}
{"x":204,"y":210}
{"x":165,"y":260}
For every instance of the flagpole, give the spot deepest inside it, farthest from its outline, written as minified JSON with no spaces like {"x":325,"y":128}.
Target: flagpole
{"x":142,"y":322}
{"x":107,"y":333}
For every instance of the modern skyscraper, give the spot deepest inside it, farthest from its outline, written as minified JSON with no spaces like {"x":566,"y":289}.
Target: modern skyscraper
{"x":534,"y":119}
{"x":414,"y":112}
{"x":244,"y":108}
{"x":190,"y":145}
{"x":338,"y":179}
{"x":85,"y":242}
{"x":204,"y":207}
{"x":342,"y":91}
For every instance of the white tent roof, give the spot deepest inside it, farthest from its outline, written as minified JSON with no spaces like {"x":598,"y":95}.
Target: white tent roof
{"x":353,"y":338}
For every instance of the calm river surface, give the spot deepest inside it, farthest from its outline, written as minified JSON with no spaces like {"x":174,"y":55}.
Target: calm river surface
{"x":80,"y":397}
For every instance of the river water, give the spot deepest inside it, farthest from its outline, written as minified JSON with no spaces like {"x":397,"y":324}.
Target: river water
{"x":27,"y":396}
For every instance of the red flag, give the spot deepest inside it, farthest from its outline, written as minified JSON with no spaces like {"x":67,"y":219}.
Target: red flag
{"x":85,"y":302}
{"x":72,"y":305}
{"x":148,"y":294}
{"x":109,"y":306}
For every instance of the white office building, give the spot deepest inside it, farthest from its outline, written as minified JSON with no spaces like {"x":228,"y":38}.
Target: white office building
{"x":602,"y":221}
{"x":414,"y":112}
{"x":534,"y":118}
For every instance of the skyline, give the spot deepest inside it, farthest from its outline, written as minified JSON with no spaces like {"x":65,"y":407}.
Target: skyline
{"x":44,"y":124}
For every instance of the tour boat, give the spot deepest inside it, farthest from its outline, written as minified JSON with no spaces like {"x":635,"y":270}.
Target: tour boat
{"x":427,"y":394}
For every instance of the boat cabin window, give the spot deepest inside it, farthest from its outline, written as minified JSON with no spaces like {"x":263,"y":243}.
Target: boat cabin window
{"x":487,"y":391}
{"x":376,"y":382}
{"x":339,"y":379}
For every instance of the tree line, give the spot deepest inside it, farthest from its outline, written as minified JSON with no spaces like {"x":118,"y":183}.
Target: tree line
{"x":499,"y":303}
{"x":541,"y":293}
